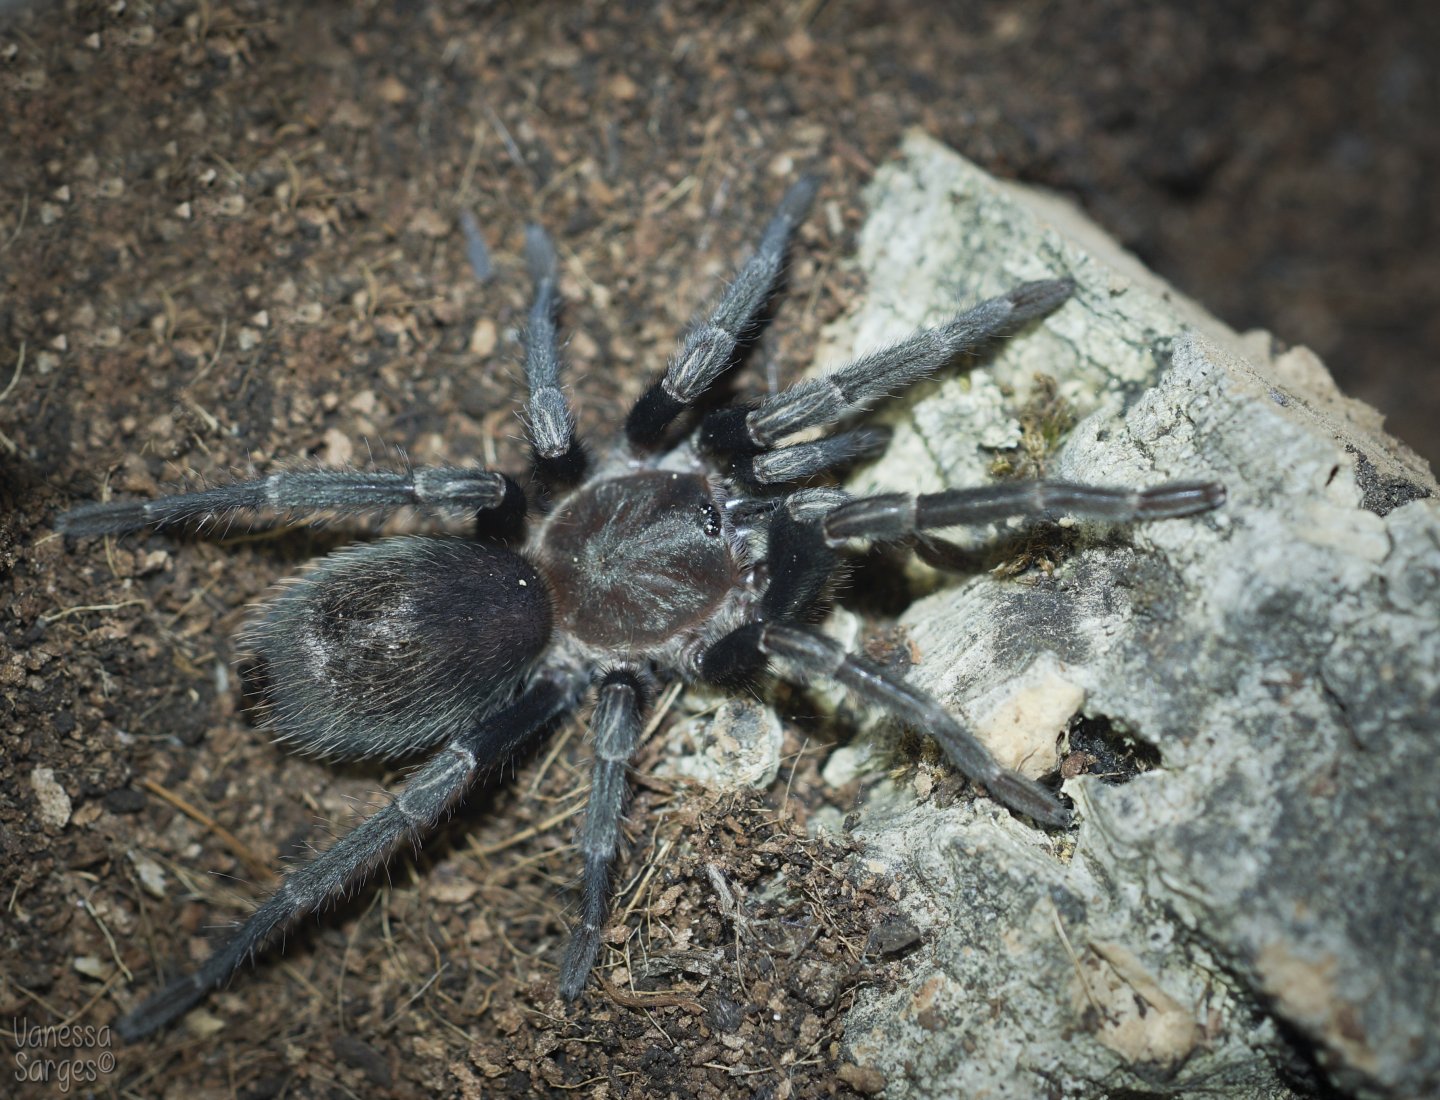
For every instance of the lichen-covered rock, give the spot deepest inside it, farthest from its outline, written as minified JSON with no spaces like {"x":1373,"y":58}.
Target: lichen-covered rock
{"x":1256,"y":902}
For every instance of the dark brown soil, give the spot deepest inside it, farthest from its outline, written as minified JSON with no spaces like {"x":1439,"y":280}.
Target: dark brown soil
{"x":229,"y":236}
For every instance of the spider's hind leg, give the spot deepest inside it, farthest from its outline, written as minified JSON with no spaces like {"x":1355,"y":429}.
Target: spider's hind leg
{"x":560,"y":457}
{"x":429,"y":793}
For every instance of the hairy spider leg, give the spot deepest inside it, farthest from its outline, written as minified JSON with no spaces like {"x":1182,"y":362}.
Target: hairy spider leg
{"x":814,"y":457}
{"x":617,"y":725}
{"x":802,"y":566}
{"x":293,"y":493}
{"x":891,"y":516}
{"x":800,"y":654}
{"x":560,"y":458}
{"x":431,"y":791}
{"x":708,"y":346}
{"x":817,"y":402}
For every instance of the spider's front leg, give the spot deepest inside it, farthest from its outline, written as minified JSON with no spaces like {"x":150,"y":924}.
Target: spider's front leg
{"x":894,"y":516}
{"x":800,"y":654}
{"x":831,"y":398}
{"x":707,"y":347}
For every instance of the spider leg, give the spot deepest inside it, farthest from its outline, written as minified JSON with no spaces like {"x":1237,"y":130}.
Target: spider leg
{"x":461,"y":489}
{"x":800,"y":654}
{"x":888,"y":516}
{"x":806,"y":459}
{"x":860,"y":383}
{"x":708,"y":346}
{"x":617,"y":727}
{"x":434,"y":787}
{"x":559,"y":455}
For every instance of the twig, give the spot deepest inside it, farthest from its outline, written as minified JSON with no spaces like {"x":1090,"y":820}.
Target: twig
{"x":19,"y":224}
{"x":1075,"y":960}
{"x":524,"y":834}
{"x":650,"y":1000}
{"x":67,"y":612}
{"x":19,"y":366}
{"x":242,"y":851}
{"x":114,"y":950}
{"x":5,"y":440}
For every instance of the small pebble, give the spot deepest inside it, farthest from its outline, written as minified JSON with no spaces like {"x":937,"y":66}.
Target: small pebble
{"x":54,"y":802}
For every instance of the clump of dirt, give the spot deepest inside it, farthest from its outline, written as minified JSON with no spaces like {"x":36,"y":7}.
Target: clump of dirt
{"x":744,"y":944}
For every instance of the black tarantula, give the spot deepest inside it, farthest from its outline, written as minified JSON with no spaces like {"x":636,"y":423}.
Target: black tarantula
{"x":684,"y":553}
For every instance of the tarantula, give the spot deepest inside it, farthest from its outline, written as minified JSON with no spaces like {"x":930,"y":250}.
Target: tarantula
{"x":687,"y":550}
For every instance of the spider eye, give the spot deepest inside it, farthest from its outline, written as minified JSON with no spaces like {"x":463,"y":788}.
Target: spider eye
{"x":709,"y":518}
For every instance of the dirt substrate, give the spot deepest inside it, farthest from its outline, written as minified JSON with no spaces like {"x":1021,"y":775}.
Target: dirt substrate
{"x":231,"y":235}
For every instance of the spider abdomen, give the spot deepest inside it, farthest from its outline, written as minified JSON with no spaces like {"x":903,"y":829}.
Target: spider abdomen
{"x":637,"y":560}
{"x":388,"y":648}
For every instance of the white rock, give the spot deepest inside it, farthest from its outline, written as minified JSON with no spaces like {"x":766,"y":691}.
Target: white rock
{"x":1276,"y":880}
